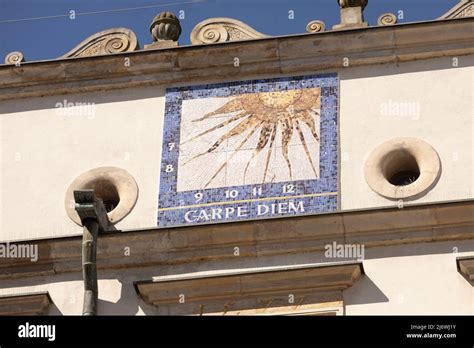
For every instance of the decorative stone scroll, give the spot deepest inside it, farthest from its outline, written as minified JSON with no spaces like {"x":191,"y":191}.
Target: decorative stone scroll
{"x":215,"y":30}
{"x":465,"y":8}
{"x":14,"y":57}
{"x":387,"y":19}
{"x":115,"y":40}
{"x":316,"y":27}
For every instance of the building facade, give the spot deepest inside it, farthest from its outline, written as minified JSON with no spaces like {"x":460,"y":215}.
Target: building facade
{"x":327,"y":173}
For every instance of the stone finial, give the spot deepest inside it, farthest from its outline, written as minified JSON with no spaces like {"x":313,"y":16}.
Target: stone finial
{"x":15,"y":57}
{"x":352,"y":14}
{"x":315,"y":27}
{"x":353,"y":3}
{"x":215,"y":30}
{"x":387,"y":19}
{"x":165,"y":30}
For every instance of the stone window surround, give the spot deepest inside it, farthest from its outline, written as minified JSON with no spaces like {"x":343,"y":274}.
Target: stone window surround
{"x":316,"y":290}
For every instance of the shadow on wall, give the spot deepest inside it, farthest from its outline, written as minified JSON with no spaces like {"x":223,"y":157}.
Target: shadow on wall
{"x":364,"y":291}
{"x":54,"y":310}
{"x":129,"y":303}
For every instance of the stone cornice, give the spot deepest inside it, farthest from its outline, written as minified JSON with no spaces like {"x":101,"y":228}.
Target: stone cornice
{"x":260,"y":238}
{"x":295,"y":54}
{"x":327,"y":281}
{"x":25,"y":304}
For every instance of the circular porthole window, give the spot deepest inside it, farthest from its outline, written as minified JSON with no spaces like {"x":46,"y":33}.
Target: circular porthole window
{"x":115,"y":186}
{"x":402,"y":168}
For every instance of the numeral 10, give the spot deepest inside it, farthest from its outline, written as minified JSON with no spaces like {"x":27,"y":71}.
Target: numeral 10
{"x":231,"y":193}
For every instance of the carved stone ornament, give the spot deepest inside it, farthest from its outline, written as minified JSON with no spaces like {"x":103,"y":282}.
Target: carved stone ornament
{"x":165,"y":26}
{"x":465,"y":8}
{"x":353,"y":3}
{"x":15,"y":57}
{"x":214,"y":30}
{"x":165,"y":31}
{"x":115,"y":40}
{"x":316,"y":27}
{"x":387,"y":19}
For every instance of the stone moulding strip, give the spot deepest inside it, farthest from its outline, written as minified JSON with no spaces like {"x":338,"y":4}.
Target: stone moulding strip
{"x":215,"y":62}
{"x":25,"y":304}
{"x":259,"y":238}
{"x":281,"y":281}
{"x":465,"y":266}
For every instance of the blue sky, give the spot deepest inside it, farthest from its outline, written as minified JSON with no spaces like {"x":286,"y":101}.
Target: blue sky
{"x":48,"y":38}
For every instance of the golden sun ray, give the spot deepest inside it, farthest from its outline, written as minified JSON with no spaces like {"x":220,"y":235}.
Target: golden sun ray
{"x":262,"y":142}
{"x":220,"y":125}
{"x":286,"y":134}
{"x":303,"y":141}
{"x":269,"y":153}
{"x":237,"y":130}
{"x":233,"y":154}
{"x":232,"y":106}
{"x":308,"y":118}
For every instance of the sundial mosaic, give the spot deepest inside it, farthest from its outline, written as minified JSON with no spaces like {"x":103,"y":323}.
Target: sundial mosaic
{"x":249,"y":150}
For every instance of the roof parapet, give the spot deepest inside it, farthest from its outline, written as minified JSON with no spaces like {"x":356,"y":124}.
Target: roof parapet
{"x":166,"y":30}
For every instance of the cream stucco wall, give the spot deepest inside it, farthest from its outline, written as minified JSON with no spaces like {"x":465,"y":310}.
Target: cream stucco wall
{"x":442,"y":100}
{"x":417,"y":279}
{"x":42,"y":152}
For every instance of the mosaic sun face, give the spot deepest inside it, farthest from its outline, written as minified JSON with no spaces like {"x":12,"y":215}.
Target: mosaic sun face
{"x":250,"y":138}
